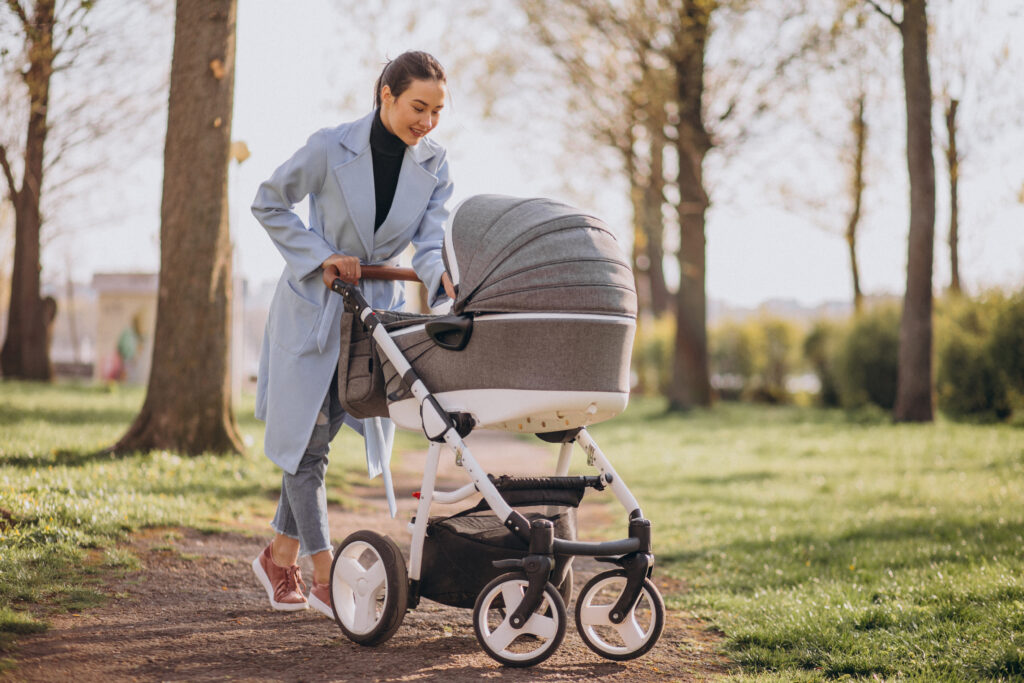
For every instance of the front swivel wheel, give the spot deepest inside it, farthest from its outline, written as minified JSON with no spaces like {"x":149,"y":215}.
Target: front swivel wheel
{"x":536,"y":640}
{"x":636,"y":634}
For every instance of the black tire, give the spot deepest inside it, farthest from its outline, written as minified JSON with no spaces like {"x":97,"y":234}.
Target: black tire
{"x":387,"y":597}
{"x":531,"y":644}
{"x":642,"y":629}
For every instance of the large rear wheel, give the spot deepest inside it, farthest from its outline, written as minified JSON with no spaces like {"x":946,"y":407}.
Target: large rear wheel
{"x":369,"y":587}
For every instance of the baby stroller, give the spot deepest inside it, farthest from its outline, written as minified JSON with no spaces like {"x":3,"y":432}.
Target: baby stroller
{"x":538,"y":341}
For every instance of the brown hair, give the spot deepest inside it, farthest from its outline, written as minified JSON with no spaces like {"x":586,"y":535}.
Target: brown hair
{"x":399,"y":72}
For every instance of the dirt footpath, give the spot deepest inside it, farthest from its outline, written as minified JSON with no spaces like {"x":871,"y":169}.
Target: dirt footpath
{"x":196,"y":612}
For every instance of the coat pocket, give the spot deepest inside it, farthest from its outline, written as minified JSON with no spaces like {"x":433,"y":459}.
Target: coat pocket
{"x":295,"y":320}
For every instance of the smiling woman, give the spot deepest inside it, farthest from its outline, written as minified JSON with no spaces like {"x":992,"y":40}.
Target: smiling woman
{"x":415,"y":112}
{"x":375,"y":186}
{"x":420,"y":78}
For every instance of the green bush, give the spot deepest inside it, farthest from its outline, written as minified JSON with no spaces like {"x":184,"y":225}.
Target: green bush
{"x":820,"y":352}
{"x":752,"y":360}
{"x":867,"y":360}
{"x":980,"y":355}
{"x":1007,"y":342}
{"x":969,"y":384}
{"x":775,"y":359}
{"x":733,"y":358}
{"x":652,"y":355}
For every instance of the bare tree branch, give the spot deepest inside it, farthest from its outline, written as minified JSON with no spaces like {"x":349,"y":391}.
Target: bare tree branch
{"x":8,"y":173}
{"x":20,"y":11}
{"x":884,"y":13}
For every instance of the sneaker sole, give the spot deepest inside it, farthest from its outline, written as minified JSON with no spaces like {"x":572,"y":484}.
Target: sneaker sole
{"x":320,"y":606}
{"x":264,"y":580}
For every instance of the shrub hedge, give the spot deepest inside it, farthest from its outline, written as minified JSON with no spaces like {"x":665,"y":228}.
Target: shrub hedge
{"x":978,"y":342}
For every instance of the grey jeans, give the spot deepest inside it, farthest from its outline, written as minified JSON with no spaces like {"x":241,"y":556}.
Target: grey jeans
{"x":302,"y":508}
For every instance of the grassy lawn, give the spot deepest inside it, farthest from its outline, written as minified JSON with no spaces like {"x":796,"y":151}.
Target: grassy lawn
{"x":822,"y":545}
{"x":824,"y":548}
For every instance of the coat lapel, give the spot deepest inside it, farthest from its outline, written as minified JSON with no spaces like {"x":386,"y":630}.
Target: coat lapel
{"x":356,"y":180}
{"x":355,"y":177}
{"x":415,"y":186}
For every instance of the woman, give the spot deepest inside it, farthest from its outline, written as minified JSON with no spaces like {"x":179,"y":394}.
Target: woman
{"x":374,"y":185}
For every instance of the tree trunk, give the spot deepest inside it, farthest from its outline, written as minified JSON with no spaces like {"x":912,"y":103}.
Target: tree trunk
{"x":646,"y":375}
{"x":654,"y":225}
{"x":691,"y":386}
{"x":636,"y":192}
{"x":914,"y":381}
{"x":860,"y":139}
{"x":188,"y":399}
{"x":25,"y":353}
{"x":953,"y":165}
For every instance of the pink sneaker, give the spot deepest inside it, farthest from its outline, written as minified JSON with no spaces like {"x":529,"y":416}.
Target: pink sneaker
{"x":281,"y":583}
{"x":320,"y":599}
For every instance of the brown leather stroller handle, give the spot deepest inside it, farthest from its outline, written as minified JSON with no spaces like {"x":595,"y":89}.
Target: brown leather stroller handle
{"x":387,"y":273}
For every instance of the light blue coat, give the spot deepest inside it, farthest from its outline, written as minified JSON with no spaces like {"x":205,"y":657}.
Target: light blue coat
{"x":302,"y":338}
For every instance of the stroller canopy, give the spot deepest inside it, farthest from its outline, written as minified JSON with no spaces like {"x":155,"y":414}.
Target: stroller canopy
{"x":510,"y":255}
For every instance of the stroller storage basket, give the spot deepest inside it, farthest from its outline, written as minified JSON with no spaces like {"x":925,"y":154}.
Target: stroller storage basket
{"x":459,"y":551}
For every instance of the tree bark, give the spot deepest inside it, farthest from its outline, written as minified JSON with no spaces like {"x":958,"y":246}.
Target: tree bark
{"x":654,"y":225}
{"x":188,"y":399}
{"x":860,"y":138}
{"x":636,"y":193}
{"x":25,"y":353}
{"x":953,"y":166}
{"x":646,"y":375}
{"x":691,"y":386}
{"x":914,"y":380}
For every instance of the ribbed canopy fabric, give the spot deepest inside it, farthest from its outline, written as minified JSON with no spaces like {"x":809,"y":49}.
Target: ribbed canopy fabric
{"x":511,"y":255}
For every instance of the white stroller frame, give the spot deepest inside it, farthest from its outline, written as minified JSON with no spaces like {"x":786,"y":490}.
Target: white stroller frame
{"x":619,"y":613}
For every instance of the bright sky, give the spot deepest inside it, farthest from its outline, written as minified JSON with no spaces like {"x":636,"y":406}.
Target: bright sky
{"x":293,"y":73}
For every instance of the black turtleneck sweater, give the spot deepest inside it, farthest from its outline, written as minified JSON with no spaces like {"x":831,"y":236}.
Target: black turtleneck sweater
{"x":387,"y":150}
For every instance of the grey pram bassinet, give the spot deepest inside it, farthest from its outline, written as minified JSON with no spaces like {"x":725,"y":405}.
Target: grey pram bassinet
{"x":539,"y":336}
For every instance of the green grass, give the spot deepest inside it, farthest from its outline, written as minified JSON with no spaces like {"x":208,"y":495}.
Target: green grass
{"x":66,"y":507}
{"x":823,"y":545}
{"x":825,"y":548}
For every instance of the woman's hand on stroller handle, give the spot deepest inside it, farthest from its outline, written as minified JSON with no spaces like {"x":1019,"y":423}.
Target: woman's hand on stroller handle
{"x":348,"y":269}
{"x":339,"y":266}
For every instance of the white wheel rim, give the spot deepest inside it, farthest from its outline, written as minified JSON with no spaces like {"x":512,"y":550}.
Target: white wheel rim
{"x":509,"y":642}
{"x":595,"y":618}
{"x":359,"y":587}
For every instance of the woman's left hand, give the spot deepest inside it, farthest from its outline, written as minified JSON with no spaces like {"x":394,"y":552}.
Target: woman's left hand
{"x":449,"y":288}
{"x":341,"y":266}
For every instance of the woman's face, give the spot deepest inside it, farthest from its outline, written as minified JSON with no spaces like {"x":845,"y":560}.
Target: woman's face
{"x":415,"y":112}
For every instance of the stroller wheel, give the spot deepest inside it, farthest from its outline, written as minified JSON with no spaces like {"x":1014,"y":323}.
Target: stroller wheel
{"x":526,"y":646}
{"x":369,"y":587}
{"x":636,"y":634}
